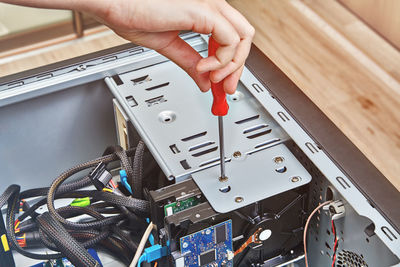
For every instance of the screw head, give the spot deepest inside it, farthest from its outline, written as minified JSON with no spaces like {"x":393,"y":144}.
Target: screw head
{"x":197,"y":215}
{"x":223,"y":179}
{"x":278,"y":160}
{"x":239,"y":199}
{"x":81,"y":67}
{"x":295,"y":179}
{"x":237,"y":154}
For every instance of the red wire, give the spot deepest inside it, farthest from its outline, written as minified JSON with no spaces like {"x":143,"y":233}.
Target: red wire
{"x":335,"y":244}
{"x":113,"y":184}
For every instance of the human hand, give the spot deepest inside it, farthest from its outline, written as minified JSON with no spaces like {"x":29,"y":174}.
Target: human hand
{"x":156,"y":24}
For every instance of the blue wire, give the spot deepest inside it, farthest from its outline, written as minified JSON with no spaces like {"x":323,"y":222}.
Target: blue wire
{"x":141,"y":259}
{"x":123,"y":177}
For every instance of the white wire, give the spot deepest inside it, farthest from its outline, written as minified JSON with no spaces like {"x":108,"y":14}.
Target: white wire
{"x":141,"y":245}
{"x":306,"y":226}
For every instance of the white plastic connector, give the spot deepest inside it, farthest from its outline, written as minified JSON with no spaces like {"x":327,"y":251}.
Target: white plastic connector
{"x":230,"y":255}
{"x":336,"y":209}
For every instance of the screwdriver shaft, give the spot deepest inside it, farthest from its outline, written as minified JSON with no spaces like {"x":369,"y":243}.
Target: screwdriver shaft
{"x":221,"y":145}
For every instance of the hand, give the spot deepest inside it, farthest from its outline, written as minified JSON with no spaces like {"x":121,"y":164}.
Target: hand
{"x":156,"y":24}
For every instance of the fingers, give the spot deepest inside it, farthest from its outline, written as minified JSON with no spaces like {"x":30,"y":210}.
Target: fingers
{"x":231,"y":81}
{"x":228,"y":39}
{"x":187,"y":58}
{"x":239,"y":59}
{"x":225,"y":64}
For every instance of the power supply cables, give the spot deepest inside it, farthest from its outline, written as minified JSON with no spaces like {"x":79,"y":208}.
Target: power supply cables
{"x":55,"y":231}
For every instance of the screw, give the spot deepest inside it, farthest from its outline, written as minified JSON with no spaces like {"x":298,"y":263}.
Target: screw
{"x":197,"y":215}
{"x":239,"y":199}
{"x":237,"y":154}
{"x":185,"y":245}
{"x":223,"y":179}
{"x":278,"y":160}
{"x":295,"y":179}
{"x":332,"y":209}
{"x":81,"y":67}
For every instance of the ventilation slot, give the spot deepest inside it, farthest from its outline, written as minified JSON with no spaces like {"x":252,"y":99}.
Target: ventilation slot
{"x":248,"y":119}
{"x":157,"y":86}
{"x":15,"y":84}
{"x":140,"y":80}
{"x":283,"y":116}
{"x":347,"y":258}
{"x":254,"y":128}
{"x":259,"y":134}
{"x":311,"y":147}
{"x":136,"y":51}
{"x":209,"y":162}
{"x":327,"y":246}
{"x":388,"y":233}
{"x":267,"y":143}
{"x":342,"y":182}
{"x":194,"y":136}
{"x":201,"y":145}
{"x":155,"y":100}
{"x":44,"y":76}
{"x":108,"y":59}
{"x":201,"y":153}
{"x":174,"y":149}
{"x":257,"y":88}
{"x":185,"y":164}
{"x":131,"y":101}
{"x":117,"y":80}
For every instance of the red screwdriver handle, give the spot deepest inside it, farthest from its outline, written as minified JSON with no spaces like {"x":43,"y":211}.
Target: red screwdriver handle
{"x":220,"y":106}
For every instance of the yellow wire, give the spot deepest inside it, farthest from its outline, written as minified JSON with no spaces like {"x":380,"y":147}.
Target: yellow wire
{"x":105,"y":189}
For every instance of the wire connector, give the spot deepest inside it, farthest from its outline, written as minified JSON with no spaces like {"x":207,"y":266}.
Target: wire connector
{"x":100,"y":176}
{"x":153,"y":253}
{"x":80,"y":202}
{"x":123,"y":176}
{"x":336,"y":209}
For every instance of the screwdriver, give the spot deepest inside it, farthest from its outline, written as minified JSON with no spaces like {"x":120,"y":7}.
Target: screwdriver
{"x":219,"y":108}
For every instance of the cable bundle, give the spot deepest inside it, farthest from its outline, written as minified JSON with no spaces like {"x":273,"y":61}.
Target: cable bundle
{"x":117,"y":220}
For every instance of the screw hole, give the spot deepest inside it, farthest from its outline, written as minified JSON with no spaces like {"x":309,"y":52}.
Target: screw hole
{"x":281,"y":169}
{"x":225,"y":189}
{"x":167,"y":116}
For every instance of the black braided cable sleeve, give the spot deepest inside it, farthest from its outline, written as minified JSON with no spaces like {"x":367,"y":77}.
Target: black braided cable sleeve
{"x":138,"y":170}
{"x":75,"y":185}
{"x":8,"y":193}
{"x":68,"y":245}
{"x":117,"y":248}
{"x":13,"y":203}
{"x":124,"y":159}
{"x":137,"y":204}
{"x":108,"y":197}
{"x":88,"y":242}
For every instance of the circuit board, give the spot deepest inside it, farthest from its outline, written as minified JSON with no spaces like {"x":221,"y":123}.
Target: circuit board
{"x":209,"y":247}
{"x":178,"y":206}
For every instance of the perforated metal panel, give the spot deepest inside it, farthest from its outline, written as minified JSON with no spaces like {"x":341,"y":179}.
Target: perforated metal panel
{"x":174,"y":119}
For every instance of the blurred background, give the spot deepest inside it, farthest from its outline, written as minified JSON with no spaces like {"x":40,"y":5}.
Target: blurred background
{"x":23,"y":28}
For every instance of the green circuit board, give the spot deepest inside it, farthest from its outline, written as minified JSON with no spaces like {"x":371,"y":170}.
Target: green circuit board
{"x":178,"y":206}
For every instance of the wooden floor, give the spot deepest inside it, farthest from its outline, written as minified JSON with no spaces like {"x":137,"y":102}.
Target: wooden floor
{"x":345,"y":68}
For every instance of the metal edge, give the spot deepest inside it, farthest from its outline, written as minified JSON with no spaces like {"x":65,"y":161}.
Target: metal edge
{"x":372,"y":195}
